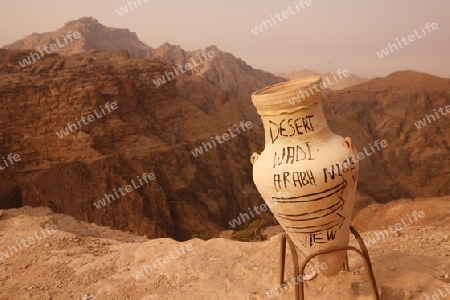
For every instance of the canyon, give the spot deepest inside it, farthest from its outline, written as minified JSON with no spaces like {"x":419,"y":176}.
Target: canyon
{"x":155,"y":128}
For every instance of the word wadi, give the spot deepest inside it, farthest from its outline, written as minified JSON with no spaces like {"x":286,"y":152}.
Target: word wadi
{"x":291,"y":154}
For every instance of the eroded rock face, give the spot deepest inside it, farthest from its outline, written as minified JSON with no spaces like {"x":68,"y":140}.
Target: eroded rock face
{"x":152,"y":130}
{"x":415,"y":161}
{"x":155,"y":128}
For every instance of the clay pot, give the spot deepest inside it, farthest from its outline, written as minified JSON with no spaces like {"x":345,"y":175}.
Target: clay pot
{"x":316,"y":167}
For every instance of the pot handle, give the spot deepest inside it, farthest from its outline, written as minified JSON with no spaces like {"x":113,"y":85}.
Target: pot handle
{"x":347,"y":142}
{"x":254,"y":157}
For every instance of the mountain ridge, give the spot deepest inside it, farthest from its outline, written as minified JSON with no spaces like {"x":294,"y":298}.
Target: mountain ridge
{"x":100,"y":37}
{"x":155,"y":128}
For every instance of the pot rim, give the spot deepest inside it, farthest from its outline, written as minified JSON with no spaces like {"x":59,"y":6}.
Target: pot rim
{"x":288,"y":96}
{"x":298,"y":83}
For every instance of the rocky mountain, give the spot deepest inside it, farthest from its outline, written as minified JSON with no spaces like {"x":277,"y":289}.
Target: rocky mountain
{"x":415,"y":162}
{"x":93,"y":36}
{"x":223,"y":69}
{"x":156,"y":129}
{"x":339,"y":84}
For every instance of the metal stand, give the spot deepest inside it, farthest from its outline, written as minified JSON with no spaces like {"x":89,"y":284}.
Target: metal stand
{"x":299,"y":289}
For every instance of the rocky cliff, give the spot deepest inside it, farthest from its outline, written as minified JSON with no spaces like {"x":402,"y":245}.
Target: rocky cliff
{"x":223,"y":70}
{"x":154,"y":129}
{"x":415,"y":162}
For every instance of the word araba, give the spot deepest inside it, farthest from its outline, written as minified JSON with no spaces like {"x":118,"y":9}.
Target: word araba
{"x":224,"y":136}
{"x":322,"y":85}
{"x":27,"y":61}
{"x":90,"y":118}
{"x":394,"y":229}
{"x":296,"y":280}
{"x":187,"y":66}
{"x":411,"y":38}
{"x":423,"y":123}
{"x":31,"y":240}
{"x":11,"y":162}
{"x":347,"y":164}
{"x":263,"y":207}
{"x":166,"y":259}
{"x":128,"y":189}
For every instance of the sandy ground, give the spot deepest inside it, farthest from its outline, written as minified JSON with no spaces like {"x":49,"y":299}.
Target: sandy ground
{"x":85,"y":261}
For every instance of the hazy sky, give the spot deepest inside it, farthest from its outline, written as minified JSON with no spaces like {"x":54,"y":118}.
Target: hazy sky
{"x":325,"y":36}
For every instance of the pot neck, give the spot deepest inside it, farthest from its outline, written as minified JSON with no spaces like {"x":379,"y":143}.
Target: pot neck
{"x":292,"y":110}
{"x":304,"y":124}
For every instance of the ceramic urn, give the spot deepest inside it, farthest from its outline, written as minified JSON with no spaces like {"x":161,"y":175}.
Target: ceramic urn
{"x":304,"y":159}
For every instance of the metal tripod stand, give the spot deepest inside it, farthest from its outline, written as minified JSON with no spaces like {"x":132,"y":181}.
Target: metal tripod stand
{"x":299,"y":289}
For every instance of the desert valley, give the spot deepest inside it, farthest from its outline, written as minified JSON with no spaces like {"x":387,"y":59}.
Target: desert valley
{"x":100,"y":140}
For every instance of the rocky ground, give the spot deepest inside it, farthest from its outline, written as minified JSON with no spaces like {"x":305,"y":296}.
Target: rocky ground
{"x":85,"y":261}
